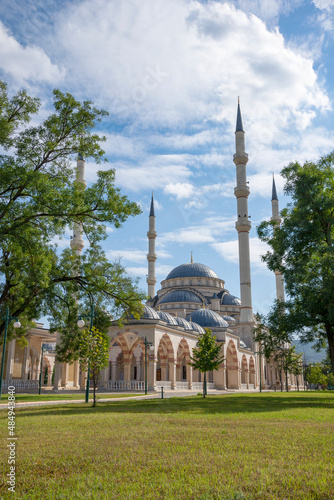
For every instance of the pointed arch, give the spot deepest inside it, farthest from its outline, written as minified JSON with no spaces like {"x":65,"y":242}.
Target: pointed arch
{"x":244,"y":370}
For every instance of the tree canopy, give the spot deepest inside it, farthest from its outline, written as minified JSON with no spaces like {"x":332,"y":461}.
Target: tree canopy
{"x":40,"y":199}
{"x":302,"y":249}
{"x":206,"y":355}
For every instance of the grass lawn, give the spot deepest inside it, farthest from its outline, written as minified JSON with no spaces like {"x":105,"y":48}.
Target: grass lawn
{"x":254,"y":446}
{"x":20,"y":398}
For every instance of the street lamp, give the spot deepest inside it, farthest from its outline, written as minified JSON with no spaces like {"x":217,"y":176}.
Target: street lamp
{"x":81,"y":324}
{"x":8,"y":318}
{"x":151,"y":346}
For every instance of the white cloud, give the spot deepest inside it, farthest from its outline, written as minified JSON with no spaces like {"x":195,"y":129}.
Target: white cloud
{"x":180,"y":190}
{"x":128,"y":255}
{"x":26,"y":63}
{"x":161,"y":271}
{"x":229,"y":250}
{"x":326,"y":17}
{"x":205,"y":232}
{"x":182,"y":61}
{"x":268,"y":10}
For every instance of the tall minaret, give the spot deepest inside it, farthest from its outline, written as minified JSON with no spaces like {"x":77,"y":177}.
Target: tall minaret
{"x":77,"y":243}
{"x":276,"y":217}
{"x":243,"y":223}
{"x":151,"y":256}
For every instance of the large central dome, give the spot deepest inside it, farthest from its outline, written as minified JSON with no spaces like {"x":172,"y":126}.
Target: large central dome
{"x":192,"y":270}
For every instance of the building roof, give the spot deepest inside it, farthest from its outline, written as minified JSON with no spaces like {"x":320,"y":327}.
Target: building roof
{"x":239,"y":127}
{"x":207,"y":318}
{"x":150,"y":313}
{"x":182,"y":322}
{"x":167,"y":317}
{"x":229,"y":318}
{"x":192,"y":270}
{"x":231,"y":300}
{"x":274,"y":192}
{"x":180,"y":296}
{"x":152,"y":207}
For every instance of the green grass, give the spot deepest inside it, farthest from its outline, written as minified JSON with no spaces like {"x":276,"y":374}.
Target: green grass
{"x":20,"y":398}
{"x":236,"y":447}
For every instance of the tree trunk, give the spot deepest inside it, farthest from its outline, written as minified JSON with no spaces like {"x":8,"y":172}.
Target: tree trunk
{"x":286,"y":381}
{"x":204,"y":385}
{"x":94,"y":389}
{"x":330,"y":338}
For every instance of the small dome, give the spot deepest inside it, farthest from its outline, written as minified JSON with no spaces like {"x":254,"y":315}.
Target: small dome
{"x":192,"y":270}
{"x":207,"y":318}
{"x":231,"y":300}
{"x":167,"y":317}
{"x":181,"y":296}
{"x":197,"y":328}
{"x":182,"y":322}
{"x":150,"y":313}
{"x":229,"y":318}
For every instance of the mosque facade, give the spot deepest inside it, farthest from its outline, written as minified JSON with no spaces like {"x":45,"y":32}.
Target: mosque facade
{"x":158,"y":347}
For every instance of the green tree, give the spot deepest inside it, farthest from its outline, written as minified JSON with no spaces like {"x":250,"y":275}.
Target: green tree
{"x":206,"y":355}
{"x":315,"y":375}
{"x":93,"y":353}
{"x":302,"y":249}
{"x":296,"y":364}
{"x":40,"y":199}
{"x":272,"y":334}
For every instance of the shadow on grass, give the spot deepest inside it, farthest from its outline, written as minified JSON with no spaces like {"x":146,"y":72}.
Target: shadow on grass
{"x":232,"y":404}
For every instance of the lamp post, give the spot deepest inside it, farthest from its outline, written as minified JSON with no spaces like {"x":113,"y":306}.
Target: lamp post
{"x":40,"y":375}
{"x":81,"y":324}
{"x":260,"y":355}
{"x":8,"y":318}
{"x":151,"y":346}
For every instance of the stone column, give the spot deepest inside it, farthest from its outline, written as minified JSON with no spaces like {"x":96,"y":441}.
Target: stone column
{"x":26,"y":360}
{"x":64,"y":378}
{"x":76,"y":382}
{"x":127,"y":372}
{"x":172,"y":374}
{"x":114,"y":371}
{"x":152,"y":374}
{"x":10,"y":359}
{"x":190,"y":376}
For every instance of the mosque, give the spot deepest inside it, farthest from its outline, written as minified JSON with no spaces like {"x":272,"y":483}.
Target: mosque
{"x":191,"y":298}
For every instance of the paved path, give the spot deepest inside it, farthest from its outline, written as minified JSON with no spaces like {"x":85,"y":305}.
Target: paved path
{"x":101,"y":399}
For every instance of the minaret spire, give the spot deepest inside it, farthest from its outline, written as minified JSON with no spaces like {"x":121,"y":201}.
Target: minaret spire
{"x":243,"y":226}
{"x":151,"y":256}
{"x":77,"y":243}
{"x":275,"y":216}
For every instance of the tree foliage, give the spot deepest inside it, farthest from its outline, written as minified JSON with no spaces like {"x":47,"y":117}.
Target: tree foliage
{"x":272,"y":334}
{"x":40,"y":199}
{"x":302,"y":249}
{"x":93,"y":353}
{"x":206,"y":355}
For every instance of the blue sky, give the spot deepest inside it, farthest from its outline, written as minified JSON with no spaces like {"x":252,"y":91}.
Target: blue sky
{"x":169,"y":73}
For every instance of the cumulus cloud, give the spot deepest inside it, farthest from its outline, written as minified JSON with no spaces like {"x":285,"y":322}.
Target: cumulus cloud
{"x":179,"y":61}
{"x":326,"y":17}
{"x":229,"y":250}
{"x":26,"y":63}
{"x":204,"y":232}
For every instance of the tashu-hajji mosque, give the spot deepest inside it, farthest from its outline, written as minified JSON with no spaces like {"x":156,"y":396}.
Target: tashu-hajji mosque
{"x":191,"y":298}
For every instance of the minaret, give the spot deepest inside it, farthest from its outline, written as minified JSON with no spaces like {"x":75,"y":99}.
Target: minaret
{"x":276,"y":217}
{"x":151,"y":256}
{"x":77,"y":243}
{"x":243,"y":224}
